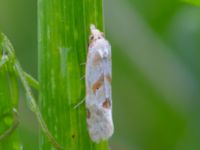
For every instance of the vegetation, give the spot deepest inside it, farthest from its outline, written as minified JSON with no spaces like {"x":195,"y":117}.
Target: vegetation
{"x":63,"y":38}
{"x":156,"y":72}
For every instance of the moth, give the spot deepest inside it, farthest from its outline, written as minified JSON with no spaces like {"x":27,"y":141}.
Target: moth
{"x":98,"y":87}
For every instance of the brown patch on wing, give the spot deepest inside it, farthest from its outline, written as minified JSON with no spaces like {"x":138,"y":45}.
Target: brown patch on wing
{"x":109,"y":78}
{"x":97,"y":58}
{"x":88,"y":114}
{"x":106,"y":104}
{"x":98,"y":84}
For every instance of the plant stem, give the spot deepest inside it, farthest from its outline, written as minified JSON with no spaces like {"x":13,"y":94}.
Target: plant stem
{"x":63,"y":32}
{"x":9,"y":97}
{"x":15,"y":66}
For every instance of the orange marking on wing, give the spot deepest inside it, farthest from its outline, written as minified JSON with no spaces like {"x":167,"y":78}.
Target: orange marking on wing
{"x":106,"y":104}
{"x":88,"y":114}
{"x":109,"y":78}
{"x":97,"y":58}
{"x":98,"y":84}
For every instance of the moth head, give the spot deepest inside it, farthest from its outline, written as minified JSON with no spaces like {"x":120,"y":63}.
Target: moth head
{"x":95,"y":34}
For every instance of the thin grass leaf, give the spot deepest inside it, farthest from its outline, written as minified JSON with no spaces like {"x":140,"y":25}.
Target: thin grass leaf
{"x":9,"y":98}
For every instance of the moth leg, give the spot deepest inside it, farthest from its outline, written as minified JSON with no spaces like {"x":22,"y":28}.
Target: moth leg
{"x":83,"y":77}
{"x":81,"y":102}
{"x":82,"y":64}
{"x":9,"y":131}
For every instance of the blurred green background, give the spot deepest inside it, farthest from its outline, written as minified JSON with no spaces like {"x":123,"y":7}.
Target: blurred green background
{"x":156,"y":70}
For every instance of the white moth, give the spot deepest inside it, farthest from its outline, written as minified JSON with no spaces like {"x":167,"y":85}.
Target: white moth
{"x":98,"y":87}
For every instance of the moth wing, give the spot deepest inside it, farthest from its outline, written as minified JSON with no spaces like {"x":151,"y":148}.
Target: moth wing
{"x":99,"y":98}
{"x":94,"y":77}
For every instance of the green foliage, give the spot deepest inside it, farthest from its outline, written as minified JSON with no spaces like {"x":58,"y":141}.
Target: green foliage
{"x":9,"y":96}
{"x":156,"y":71}
{"x":67,"y":49}
{"x":63,"y":39}
{"x":9,"y":61}
{"x":193,"y":2}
